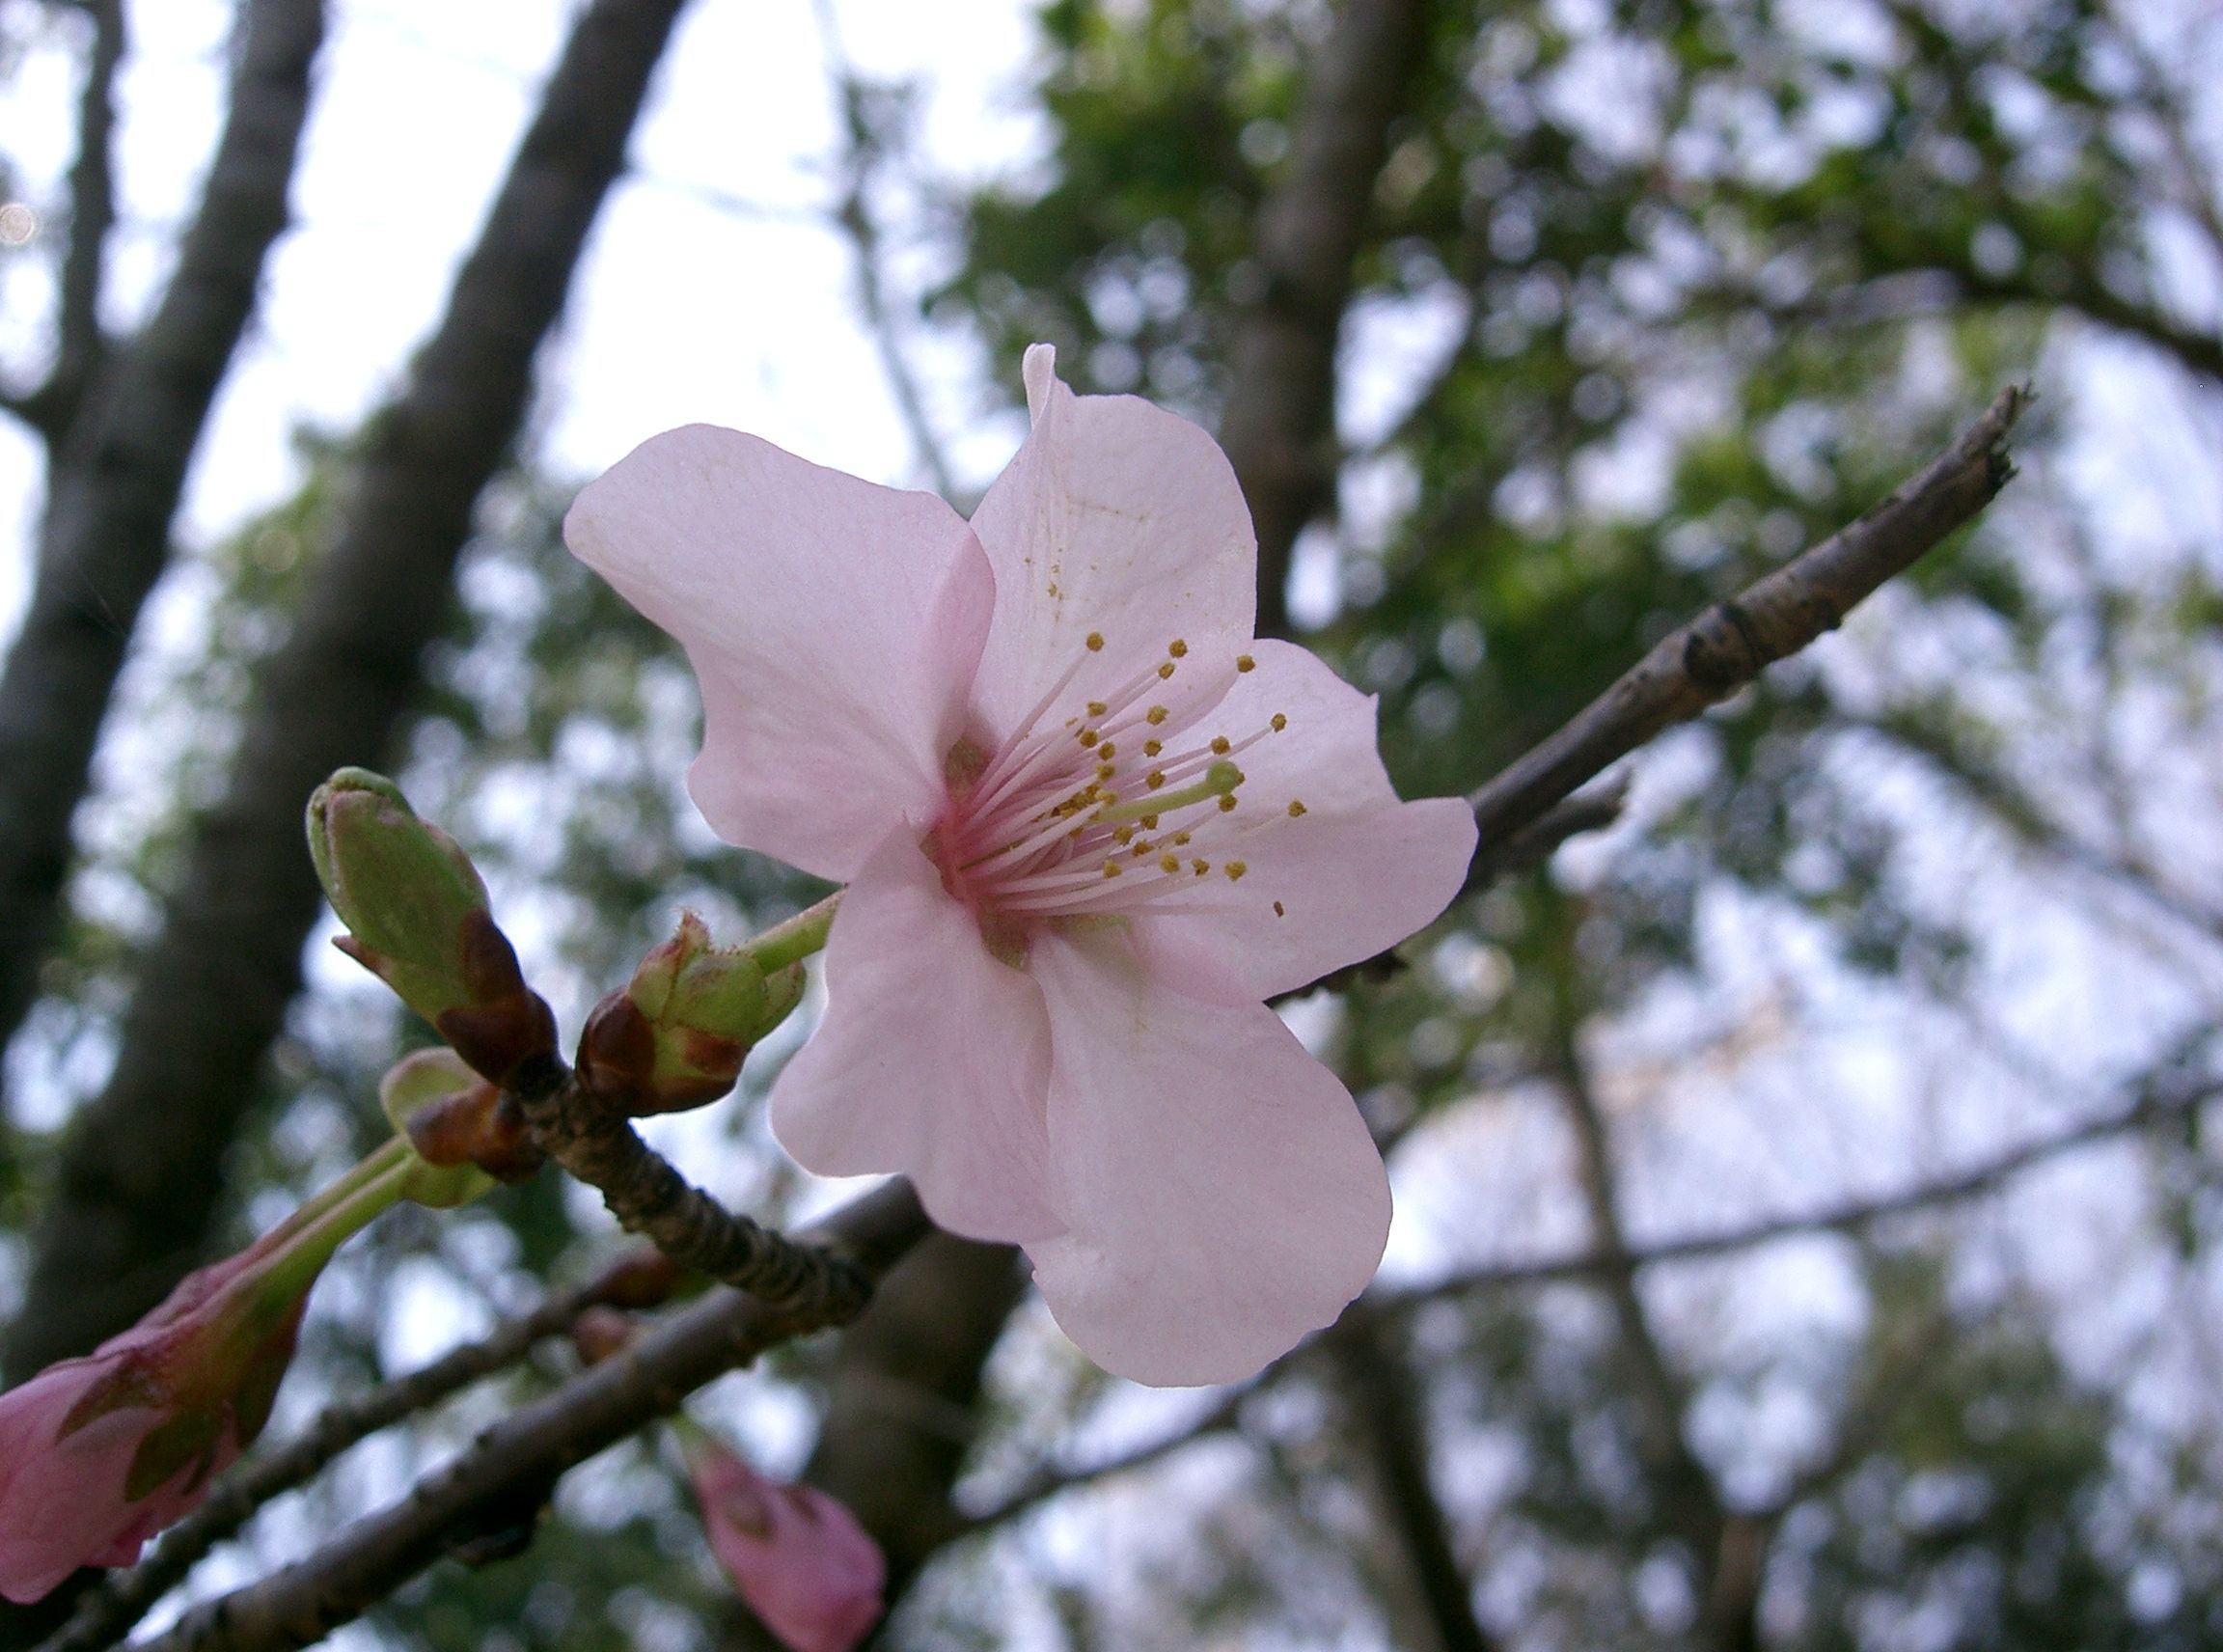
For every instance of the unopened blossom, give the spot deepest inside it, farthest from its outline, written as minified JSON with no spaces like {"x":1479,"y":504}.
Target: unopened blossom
{"x":1089,"y":825}
{"x":797,"y":1556}
{"x":99,"y":1453}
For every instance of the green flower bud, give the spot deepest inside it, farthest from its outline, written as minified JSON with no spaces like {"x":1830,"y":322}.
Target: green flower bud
{"x":440,"y":1107}
{"x":676,"y":1035}
{"x":417,"y":913}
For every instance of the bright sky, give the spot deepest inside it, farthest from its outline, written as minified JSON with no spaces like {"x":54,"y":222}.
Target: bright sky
{"x":713,"y":289}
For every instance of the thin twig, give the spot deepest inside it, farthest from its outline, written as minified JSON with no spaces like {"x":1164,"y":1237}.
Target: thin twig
{"x":109,"y":1610}
{"x":1851,"y":1216}
{"x":1733,"y":641}
{"x":519,"y":1459}
{"x":861,"y":153}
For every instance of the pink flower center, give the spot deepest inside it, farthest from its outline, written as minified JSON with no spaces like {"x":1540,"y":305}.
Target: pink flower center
{"x":1111,"y":809}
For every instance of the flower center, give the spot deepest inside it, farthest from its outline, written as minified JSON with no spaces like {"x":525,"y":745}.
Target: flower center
{"x":1112,"y":807}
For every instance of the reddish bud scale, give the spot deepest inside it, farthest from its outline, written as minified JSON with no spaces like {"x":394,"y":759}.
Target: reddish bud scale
{"x":478,"y":1126}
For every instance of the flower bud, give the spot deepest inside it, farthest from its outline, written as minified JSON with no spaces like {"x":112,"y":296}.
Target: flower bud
{"x":600,"y":1333}
{"x":99,"y":1453}
{"x":676,"y":1035}
{"x":800,"y":1558}
{"x":417,"y":915}
{"x":465,"y":1133}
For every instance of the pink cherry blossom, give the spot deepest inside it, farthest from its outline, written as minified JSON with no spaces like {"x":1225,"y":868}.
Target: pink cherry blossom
{"x":1089,"y":825}
{"x":191,"y":1383}
{"x":797,"y":1557}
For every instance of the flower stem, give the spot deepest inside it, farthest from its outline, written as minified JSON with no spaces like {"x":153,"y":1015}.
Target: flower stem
{"x":311,"y":1244}
{"x":796,"y":938}
{"x":373,"y":1164}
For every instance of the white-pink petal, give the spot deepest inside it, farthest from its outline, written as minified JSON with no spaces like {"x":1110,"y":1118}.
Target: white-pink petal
{"x":933,"y":1059}
{"x":834,"y":627}
{"x":1354,"y":874}
{"x":1119,"y":518}
{"x":1223,"y":1194}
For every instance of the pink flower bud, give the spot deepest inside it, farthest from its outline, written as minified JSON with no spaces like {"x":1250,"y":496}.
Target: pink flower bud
{"x":97,"y":1455}
{"x":798,"y":1557}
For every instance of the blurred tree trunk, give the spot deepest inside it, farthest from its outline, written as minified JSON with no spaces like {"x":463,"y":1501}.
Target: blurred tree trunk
{"x":141,"y":1166}
{"x":1278,"y":425}
{"x":121,"y":425}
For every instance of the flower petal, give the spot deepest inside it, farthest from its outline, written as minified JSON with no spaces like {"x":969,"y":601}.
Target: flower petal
{"x":1354,"y":874}
{"x":834,"y":627}
{"x":1222,"y":1192}
{"x":933,"y":1059}
{"x":1115,"y":517}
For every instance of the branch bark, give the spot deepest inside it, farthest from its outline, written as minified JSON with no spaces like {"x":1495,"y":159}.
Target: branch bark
{"x":119,"y":466}
{"x":523,"y":1455}
{"x":141,"y":1168}
{"x":1278,"y":424}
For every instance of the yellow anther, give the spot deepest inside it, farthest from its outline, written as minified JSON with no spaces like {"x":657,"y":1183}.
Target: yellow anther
{"x":1107,"y":751}
{"x":1097,"y":708}
{"x":1095,"y":642}
{"x":1105,"y":771}
{"x":1221,"y":744}
{"x":1143,"y":850}
{"x":1235,"y":871}
{"x":1177,"y":648}
{"x":1180,"y":838}
{"x":1228,"y":804}
{"x":1151,"y":748}
{"x":1149,"y":822}
{"x":1110,"y":868}
{"x":1280,"y":911}
{"x":1165,"y":671}
{"x":1156,"y":715}
{"x":1295,"y":808}
{"x":1155,"y":779}
{"x":1244,"y":662}
{"x":1199,"y":867}
{"x":1279,"y":723}
{"x":1170,"y":863}
{"x":1089,"y":736}
{"x":1125,"y":834}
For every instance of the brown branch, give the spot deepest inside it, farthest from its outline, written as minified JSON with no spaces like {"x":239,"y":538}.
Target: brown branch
{"x":1733,"y":641}
{"x":141,"y":1169}
{"x":117,"y":470}
{"x":649,"y":1195}
{"x":1849,"y":1216}
{"x":1051,"y":1482}
{"x":1278,"y":424}
{"x":519,"y":1459}
{"x":108,"y":1611}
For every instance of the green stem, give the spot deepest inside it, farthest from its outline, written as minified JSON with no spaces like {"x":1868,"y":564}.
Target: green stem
{"x":798,"y":937}
{"x":332,"y":1218}
{"x":373,"y":1164}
